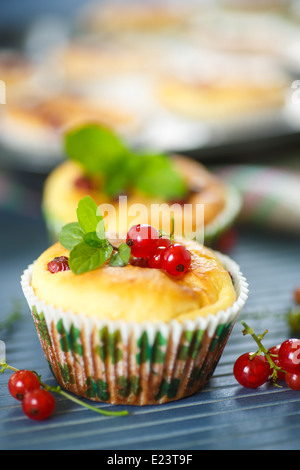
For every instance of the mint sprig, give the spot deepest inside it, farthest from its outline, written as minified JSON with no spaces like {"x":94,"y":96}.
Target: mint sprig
{"x":88,"y":217}
{"x":100,"y":152}
{"x":87,"y":242}
{"x":95,"y":147}
{"x":70,"y":235}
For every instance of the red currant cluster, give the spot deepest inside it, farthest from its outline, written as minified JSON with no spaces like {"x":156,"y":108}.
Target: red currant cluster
{"x":281,"y":362}
{"x":37,"y":403}
{"x":160,"y":252}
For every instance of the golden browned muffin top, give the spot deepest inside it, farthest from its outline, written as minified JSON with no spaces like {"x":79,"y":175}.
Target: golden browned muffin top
{"x":137,"y":294}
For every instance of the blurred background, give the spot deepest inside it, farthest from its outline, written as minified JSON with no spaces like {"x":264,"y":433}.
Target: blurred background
{"x":217,"y":80}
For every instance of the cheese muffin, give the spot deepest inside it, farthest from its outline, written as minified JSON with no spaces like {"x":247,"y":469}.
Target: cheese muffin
{"x":232,"y":32}
{"x":151,"y":17}
{"x":248,"y":86}
{"x":37,"y":127}
{"x":21,"y":75}
{"x":86,"y":63}
{"x":132,"y":334}
{"x":197,"y":100}
{"x":208,"y":209}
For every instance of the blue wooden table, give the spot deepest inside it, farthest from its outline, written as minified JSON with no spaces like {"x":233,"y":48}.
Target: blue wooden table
{"x":222,"y":416}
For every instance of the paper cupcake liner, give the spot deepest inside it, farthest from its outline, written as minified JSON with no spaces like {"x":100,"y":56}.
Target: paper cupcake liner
{"x":213,"y":230}
{"x":133,"y":363}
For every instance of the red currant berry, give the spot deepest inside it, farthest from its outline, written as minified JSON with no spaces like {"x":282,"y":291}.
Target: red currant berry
{"x":251,"y":371}
{"x":21,"y":382}
{"x":176,"y":259}
{"x":289,"y":356}
{"x":142,"y":239}
{"x":59,"y":263}
{"x":164,"y":241}
{"x":155,"y":260}
{"x":292,"y":381}
{"x":274,"y":356}
{"x":140,"y":262}
{"x":38,"y":404}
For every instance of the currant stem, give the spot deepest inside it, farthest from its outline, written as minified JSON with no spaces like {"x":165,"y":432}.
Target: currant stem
{"x":262,"y":349}
{"x":86,"y":405}
{"x":61,"y":392}
{"x":257,"y":338}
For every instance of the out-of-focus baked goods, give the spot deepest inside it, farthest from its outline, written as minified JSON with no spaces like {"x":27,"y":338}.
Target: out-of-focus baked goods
{"x":202,"y":206}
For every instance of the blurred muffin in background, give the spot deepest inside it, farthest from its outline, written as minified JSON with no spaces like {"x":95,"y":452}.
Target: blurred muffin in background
{"x":114,"y":73}
{"x":21,"y":75}
{"x":115,"y":17}
{"x":38,"y":126}
{"x":222,"y":86}
{"x":101,"y":166}
{"x":231,"y":31}
{"x":93,"y":61}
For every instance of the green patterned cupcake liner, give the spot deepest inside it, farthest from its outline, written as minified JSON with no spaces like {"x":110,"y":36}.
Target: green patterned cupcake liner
{"x":213,"y":231}
{"x":133,"y":363}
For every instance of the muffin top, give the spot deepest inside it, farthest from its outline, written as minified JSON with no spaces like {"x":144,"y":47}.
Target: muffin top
{"x":137,"y":294}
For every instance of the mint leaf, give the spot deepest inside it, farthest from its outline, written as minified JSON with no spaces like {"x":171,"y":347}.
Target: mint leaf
{"x":91,"y":239}
{"x":159,"y":178}
{"x":120,"y":178}
{"x":84,"y":258}
{"x":115,"y":260}
{"x":124,"y":252}
{"x":121,"y":257}
{"x":99,"y":151}
{"x":87,"y":214}
{"x":94,"y":147}
{"x":70,"y":235}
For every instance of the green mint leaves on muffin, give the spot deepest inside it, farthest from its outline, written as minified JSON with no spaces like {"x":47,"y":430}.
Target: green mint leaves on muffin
{"x":87,"y":242}
{"x":70,"y":235}
{"x":100,"y":152}
{"x":120,"y":257}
